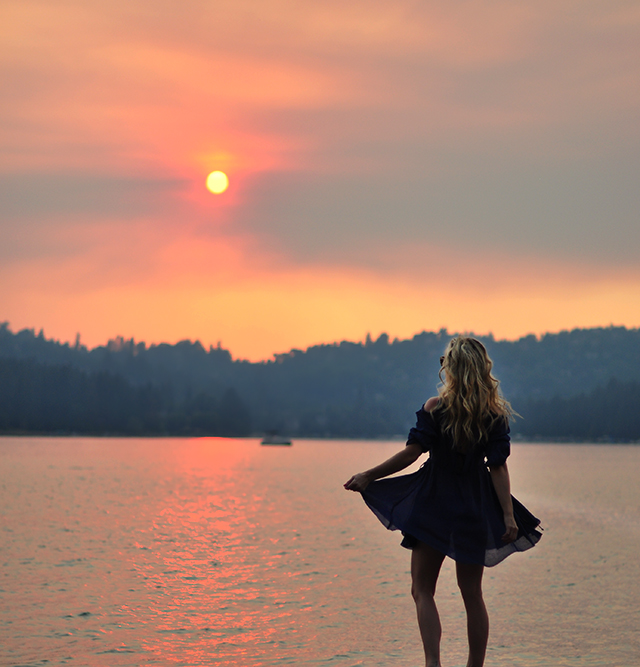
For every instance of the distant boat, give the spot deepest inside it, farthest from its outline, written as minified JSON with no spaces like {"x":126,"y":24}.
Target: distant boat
{"x":275,"y":439}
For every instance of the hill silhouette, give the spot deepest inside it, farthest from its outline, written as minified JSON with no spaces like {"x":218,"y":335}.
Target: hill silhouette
{"x":580,"y":384}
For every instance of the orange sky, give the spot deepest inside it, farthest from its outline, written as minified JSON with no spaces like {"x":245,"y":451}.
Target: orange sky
{"x":392,"y":168}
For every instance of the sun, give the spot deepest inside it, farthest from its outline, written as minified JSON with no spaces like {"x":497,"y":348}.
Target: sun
{"x":217,"y":182}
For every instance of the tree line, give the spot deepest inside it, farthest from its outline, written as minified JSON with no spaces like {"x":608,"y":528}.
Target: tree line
{"x":36,"y":398}
{"x":582,"y":384}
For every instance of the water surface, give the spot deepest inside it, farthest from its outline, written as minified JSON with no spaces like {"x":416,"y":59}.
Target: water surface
{"x":222,"y":552}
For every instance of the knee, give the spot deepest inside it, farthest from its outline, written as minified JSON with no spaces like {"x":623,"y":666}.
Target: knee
{"x":470,"y":591}
{"x":421,"y":591}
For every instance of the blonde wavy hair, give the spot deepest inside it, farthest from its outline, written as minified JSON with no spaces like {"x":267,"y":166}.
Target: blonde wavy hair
{"x":469,"y":396}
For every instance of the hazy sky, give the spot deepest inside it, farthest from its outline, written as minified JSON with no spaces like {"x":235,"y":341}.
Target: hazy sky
{"x":394,"y":166}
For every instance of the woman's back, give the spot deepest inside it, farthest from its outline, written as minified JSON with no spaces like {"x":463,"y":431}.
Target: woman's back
{"x":430,"y":435}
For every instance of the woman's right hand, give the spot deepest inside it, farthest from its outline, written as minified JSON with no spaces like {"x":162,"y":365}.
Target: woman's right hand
{"x":358,"y":482}
{"x":399,"y":461}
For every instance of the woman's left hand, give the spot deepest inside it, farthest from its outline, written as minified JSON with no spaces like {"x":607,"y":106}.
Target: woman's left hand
{"x":358,"y":482}
{"x":512,"y":529}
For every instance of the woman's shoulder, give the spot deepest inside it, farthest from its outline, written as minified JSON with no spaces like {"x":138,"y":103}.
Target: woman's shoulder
{"x":431,"y":404}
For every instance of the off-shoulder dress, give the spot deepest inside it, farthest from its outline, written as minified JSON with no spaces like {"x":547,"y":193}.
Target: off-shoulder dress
{"x":450,"y":503}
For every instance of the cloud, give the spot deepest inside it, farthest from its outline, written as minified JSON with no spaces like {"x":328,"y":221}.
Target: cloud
{"x":69,"y":195}
{"x":587,"y":213}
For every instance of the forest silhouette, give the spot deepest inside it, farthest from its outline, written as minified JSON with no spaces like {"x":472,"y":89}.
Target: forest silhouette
{"x":579,"y":385}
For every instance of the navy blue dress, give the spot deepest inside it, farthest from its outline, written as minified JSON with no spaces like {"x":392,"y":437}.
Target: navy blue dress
{"x":450,"y":503}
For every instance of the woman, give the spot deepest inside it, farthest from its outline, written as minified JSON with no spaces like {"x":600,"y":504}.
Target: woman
{"x":454,"y":506}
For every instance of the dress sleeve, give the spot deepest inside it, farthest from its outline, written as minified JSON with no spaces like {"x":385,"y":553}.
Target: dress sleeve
{"x":499,"y":445}
{"x":425,"y":432}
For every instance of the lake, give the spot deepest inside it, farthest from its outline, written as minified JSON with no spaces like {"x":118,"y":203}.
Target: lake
{"x":216,"y":551}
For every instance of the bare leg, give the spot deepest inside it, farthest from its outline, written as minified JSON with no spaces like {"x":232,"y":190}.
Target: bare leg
{"x":470,"y":583}
{"x":425,"y":568}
